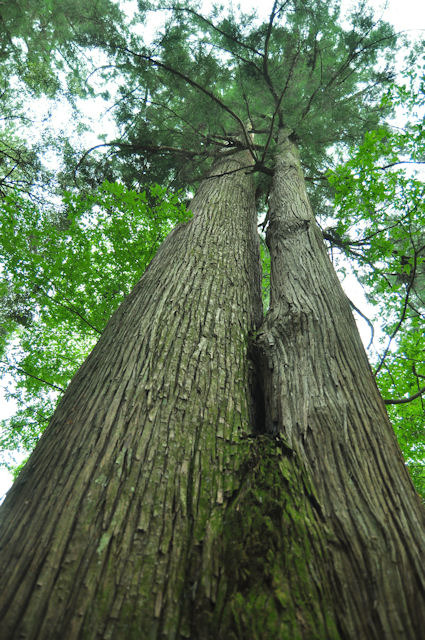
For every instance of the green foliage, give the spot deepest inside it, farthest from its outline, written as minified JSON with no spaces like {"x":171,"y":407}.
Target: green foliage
{"x":42,"y":40}
{"x":63,"y":273}
{"x":47,"y":52}
{"x":206,"y":78}
{"x":380,"y":222}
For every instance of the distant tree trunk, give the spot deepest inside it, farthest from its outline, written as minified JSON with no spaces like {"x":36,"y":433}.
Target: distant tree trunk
{"x":183,"y":490}
{"x":320,"y":394}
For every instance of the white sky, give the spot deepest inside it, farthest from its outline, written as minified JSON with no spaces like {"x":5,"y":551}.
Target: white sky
{"x":405,"y":15}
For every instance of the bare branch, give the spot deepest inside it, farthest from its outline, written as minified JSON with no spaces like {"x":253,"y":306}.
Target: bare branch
{"x":372,"y":331}
{"x":31,"y":375}
{"x":405,"y":400}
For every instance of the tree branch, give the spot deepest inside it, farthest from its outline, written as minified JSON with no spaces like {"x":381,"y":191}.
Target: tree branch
{"x":405,"y":400}
{"x":418,"y":375}
{"x":400,"y":322}
{"x":74,"y":311}
{"x":139,"y":147}
{"x":276,"y":111}
{"x":228,"y":173}
{"x":350,"y":58}
{"x":214,"y":27}
{"x":372,"y":331}
{"x":247,"y":61}
{"x":198,"y":87}
{"x":31,"y":375}
{"x":266,"y":74}
{"x":393,"y":164}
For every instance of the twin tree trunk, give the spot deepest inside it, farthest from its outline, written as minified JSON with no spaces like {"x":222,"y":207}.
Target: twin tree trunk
{"x":210,"y":475}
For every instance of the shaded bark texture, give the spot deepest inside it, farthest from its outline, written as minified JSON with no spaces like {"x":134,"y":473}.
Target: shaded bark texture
{"x":321,"y":396}
{"x":207,"y":477}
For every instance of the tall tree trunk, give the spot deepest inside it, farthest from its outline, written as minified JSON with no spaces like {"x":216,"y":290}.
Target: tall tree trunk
{"x":146,"y":510}
{"x":96,"y":532}
{"x":182,"y":491}
{"x":320,"y":394}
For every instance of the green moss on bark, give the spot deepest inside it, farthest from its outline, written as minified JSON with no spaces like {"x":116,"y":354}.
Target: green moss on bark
{"x":266,"y":551}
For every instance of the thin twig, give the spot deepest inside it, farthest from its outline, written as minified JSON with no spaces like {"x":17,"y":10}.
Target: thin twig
{"x":199,"y":87}
{"x":31,"y":375}
{"x":400,"y":322}
{"x":405,"y":400}
{"x":72,"y":310}
{"x":372,"y":331}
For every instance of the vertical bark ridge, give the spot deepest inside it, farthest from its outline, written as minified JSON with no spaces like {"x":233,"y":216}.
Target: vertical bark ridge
{"x":321,"y":395}
{"x":102,"y":518}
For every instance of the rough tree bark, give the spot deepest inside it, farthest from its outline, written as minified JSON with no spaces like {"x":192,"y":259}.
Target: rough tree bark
{"x":97,"y":530}
{"x":114,"y":529}
{"x":185,"y":491}
{"x":320,"y":394}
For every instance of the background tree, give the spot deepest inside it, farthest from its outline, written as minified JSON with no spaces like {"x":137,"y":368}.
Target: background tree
{"x":379,"y":196}
{"x":64,"y":272}
{"x":156,"y":514}
{"x":43,"y":53}
{"x":43,"y":61}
